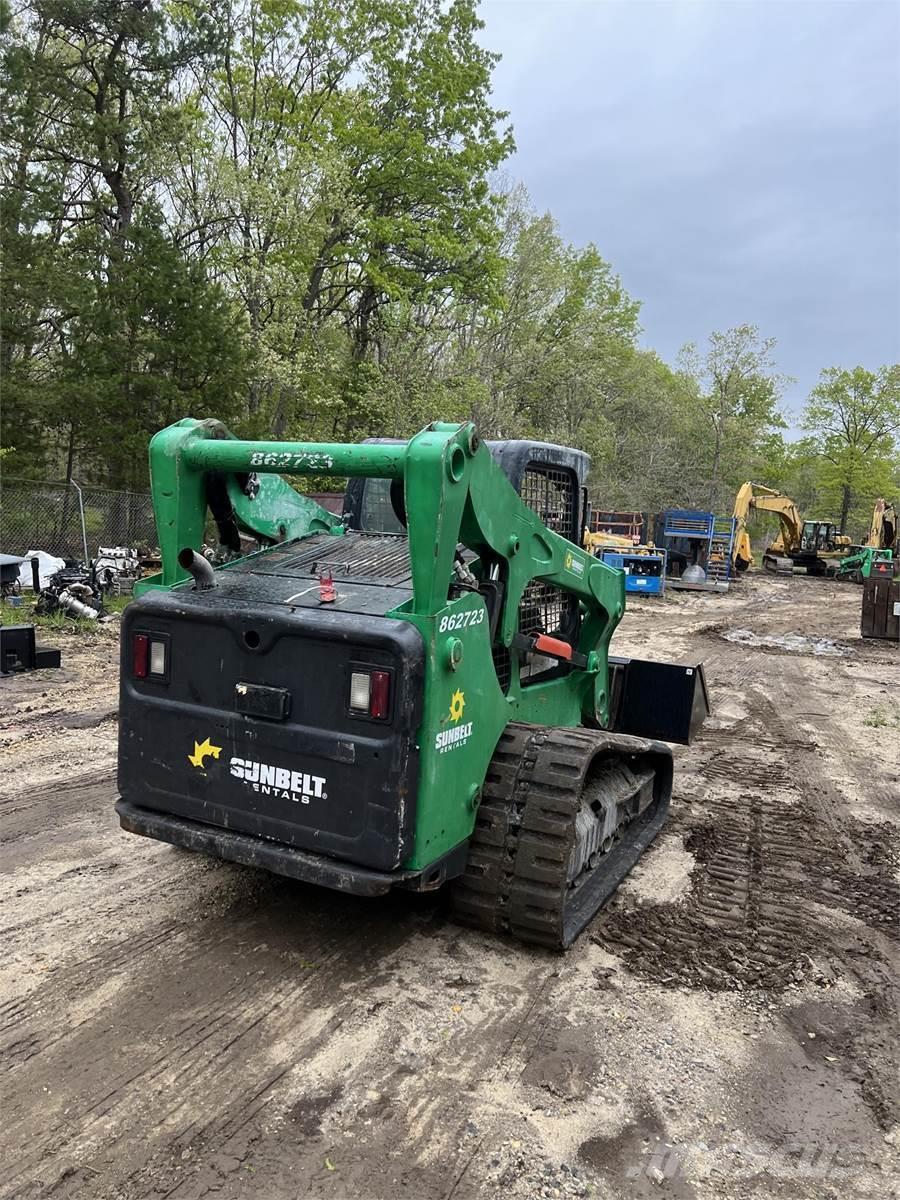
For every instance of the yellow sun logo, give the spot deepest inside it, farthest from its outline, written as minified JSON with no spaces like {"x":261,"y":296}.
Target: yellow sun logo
{"x":201,"y":750}
{"x":457,"y":704}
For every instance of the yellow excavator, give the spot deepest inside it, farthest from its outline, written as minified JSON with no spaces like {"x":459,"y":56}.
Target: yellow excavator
{"x":807,"y":544}
{"x":877,"y":552}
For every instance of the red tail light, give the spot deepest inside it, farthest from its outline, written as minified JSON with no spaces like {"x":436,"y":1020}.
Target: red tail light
{"x":380,"y":695}
{"x":370,"y":694}
{"x":140,"y":655}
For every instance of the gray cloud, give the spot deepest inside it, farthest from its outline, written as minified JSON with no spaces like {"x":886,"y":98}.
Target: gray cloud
{"x":735,"y":161}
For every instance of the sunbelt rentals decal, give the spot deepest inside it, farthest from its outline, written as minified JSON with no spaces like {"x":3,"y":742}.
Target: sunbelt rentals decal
{"x":266,"y":778}
{"x":459,"y":732}
{"x":574,"y":564}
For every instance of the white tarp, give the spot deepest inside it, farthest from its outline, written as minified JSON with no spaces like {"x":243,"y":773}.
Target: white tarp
{"x":49,"y":565}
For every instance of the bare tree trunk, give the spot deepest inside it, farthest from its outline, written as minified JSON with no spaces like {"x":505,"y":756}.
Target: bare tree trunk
{"x":70,"y":455}
{"x":846,"y":497}
{"x":714,"y":481}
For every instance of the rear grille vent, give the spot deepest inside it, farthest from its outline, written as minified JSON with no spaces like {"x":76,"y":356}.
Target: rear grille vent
{"x":355,"y":557}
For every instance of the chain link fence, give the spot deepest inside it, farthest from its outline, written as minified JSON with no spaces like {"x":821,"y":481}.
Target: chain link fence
{"x":59,"y":518}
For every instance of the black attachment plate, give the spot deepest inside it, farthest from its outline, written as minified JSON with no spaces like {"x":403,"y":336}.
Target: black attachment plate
{"x":668,"y":701}
{"x":16,"y":648}
{"x":45,"y":657}
{"x":19,"y":652}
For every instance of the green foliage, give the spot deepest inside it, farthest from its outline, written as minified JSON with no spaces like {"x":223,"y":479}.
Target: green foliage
{"x":287,"y":214}
{"x":883,"y":716}
{"x":740,"y":388}
{"x":853,"y":417}
{"x":351,"y":145}
{"x":650,"y":459}
{"x":108,"y":328}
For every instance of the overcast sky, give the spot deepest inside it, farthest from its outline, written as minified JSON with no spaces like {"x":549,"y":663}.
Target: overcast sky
{"x":735,"y":160}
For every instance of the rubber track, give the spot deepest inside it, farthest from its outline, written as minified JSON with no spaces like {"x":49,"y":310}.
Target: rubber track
{"x":480,"y":896}
{"x":515,"y":880}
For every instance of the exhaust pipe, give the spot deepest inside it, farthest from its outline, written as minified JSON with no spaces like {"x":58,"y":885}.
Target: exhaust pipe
{"x":73,"y":604}
{"x":199,"y":567}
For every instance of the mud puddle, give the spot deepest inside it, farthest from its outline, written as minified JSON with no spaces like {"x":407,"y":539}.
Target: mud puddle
{"x":790,"y":643}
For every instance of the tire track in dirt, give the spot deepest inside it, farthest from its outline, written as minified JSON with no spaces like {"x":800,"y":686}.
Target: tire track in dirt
{"x":421,"y":1119}
{"x":156,"y":1046}
{"x":201,"y":1028}
{"x":22,"y":813}
{"x":173,"y":1066}
{"x":750,"y":919}
{"x":787,"y":881}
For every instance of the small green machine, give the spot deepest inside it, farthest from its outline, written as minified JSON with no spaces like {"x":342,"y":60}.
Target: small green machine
{"x":858,"y":566}
{"x":407,"y":703}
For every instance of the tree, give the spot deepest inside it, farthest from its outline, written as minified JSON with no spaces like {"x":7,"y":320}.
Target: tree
{"x":739,"y":390}
{"x":535,"y":363}
{"x":649,"y":459}
{"x":564,"y":320}
{"x":287,"y":213}
{"x":853,"y":417}
{"x":338,"y":169}
{"x":222,"y":194}
{"x":89,"y":112}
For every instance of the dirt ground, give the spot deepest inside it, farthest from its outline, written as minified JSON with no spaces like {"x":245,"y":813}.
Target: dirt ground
{"x":727,"y":1027}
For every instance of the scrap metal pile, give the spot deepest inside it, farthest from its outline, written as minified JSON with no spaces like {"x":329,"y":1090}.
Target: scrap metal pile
{"x":74,"y":590}
{"x":79,"y":590}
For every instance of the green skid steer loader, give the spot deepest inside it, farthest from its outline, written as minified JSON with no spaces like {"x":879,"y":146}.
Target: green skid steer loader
{"x":365,"y":709}
{"x":858,"y":566}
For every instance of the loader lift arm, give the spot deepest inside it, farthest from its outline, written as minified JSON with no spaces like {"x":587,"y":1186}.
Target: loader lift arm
{"x":454,"y":492}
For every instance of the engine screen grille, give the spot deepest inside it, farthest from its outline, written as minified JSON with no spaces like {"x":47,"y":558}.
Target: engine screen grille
{"x":377,"y":512}
{"x":502,"y":666}
{"x":355,"y":557}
